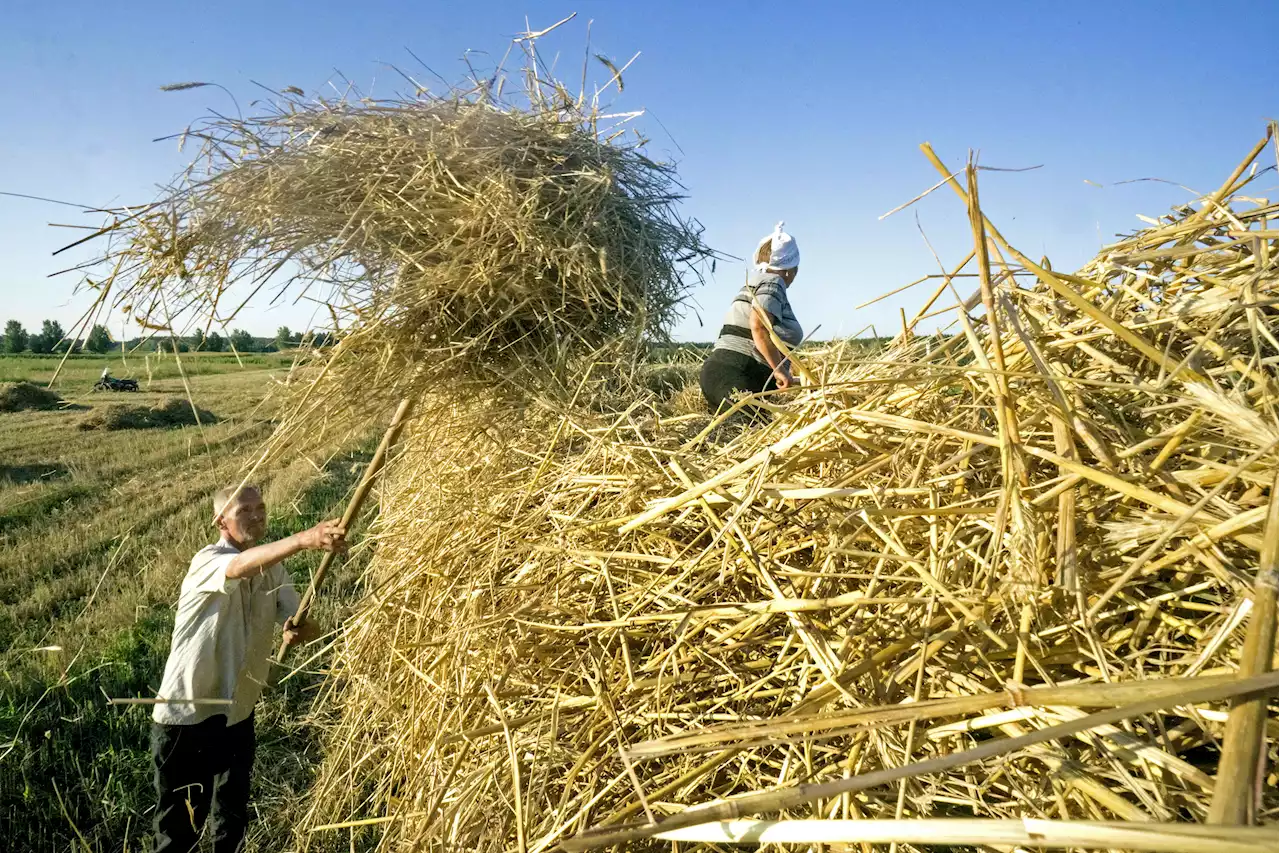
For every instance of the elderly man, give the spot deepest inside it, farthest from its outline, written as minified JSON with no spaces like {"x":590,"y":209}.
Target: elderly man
{"x":233,"y":595}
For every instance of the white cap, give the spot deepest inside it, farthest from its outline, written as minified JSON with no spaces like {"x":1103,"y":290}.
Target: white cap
{"x":784,"y":254}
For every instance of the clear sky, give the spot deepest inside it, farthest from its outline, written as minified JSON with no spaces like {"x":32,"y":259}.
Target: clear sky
{"x":805,"y":111}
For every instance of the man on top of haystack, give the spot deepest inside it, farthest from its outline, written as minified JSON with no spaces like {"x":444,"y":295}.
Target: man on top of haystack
{"x":233,"y":595}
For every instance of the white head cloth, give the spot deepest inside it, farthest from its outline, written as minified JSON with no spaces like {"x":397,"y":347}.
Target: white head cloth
{"x":784,"y":254}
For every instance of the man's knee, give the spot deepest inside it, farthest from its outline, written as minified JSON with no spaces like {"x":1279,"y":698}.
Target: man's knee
{"x":231,"y":800}
{"x":184,"y":785}
{"x":180,"y":815}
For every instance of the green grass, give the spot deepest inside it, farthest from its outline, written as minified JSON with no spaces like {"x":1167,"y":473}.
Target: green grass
{"x":81,"y":370}
{"x":96,"y":530}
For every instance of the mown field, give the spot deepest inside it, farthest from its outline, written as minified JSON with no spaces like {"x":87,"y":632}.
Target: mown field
{"x":96,"y":530}
{"x":78,"y":373}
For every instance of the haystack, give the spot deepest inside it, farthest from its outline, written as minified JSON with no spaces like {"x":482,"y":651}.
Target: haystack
{"x":23,"y":396}
{"x":446,"y":239}
{"x":173,"y":412}
{"x":1010,"y":585}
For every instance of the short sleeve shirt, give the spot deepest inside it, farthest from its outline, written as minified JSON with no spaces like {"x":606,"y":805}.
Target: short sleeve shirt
{"x":770,"y":291}
{"x":223,"y":636}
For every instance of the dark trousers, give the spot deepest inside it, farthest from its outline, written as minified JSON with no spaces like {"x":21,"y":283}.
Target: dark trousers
{"x":200,"y":770}
{"x":725,"y":373}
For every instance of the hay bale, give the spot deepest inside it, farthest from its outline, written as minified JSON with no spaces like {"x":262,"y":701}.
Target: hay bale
{"x":115,"y":416}
{"x":922,"y":553}
{"x":23,"y":396}
{"x":173,"y":412}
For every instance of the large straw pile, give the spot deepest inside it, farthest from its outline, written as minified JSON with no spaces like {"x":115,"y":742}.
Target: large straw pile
{"x":21,"y":396}
{"x":974,"y":542}
{"x":442,"y":239}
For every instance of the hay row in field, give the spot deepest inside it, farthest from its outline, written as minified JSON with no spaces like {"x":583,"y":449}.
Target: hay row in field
{"x":24,"y":396}
{"x":971,"y":543}
{"x":173,"y":412}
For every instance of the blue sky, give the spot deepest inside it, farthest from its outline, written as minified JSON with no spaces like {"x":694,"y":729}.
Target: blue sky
{"x":809,"y":112}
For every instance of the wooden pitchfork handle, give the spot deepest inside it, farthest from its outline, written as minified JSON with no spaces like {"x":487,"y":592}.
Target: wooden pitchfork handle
{"x":353,"y":511}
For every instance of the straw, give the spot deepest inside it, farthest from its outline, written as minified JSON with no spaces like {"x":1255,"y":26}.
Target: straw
{"x":1033,"y":539}
{"x":1243,"y":740}
{"x":1028,"y":832}
{"x":447,"y":240}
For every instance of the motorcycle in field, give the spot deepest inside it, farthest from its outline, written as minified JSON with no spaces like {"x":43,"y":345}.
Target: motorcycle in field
{"x":110,"y":383}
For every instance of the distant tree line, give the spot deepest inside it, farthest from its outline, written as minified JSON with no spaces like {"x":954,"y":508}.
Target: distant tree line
{"x":50,"y":338}
{"x":53,"y":339}
{"x":240,"y":341}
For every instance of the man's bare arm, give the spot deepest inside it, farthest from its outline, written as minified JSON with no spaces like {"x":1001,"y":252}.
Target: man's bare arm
{"x":325,"y":536}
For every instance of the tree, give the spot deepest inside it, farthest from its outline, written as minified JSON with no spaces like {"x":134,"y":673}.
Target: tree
{"x":196,"y":341}
{"x":284,"y":338}
{"x":51,"y":331}
{"x":99,"y":340}
{"x":166,"y":344}
{"x":321,"y":339}
{"x":15,"y":337}
{"x":242,"y":341}
{"x":50,"y":335}
{"x":214,"y":343}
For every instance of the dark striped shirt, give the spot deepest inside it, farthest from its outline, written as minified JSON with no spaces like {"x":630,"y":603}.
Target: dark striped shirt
{"x":771,"y":293}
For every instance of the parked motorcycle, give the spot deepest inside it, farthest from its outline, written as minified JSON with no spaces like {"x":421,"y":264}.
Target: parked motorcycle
{"x":113,"y":384}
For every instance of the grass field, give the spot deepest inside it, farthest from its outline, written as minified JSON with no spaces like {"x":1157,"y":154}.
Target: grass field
{"x":96,"y":530}
{"x":81,"y":370}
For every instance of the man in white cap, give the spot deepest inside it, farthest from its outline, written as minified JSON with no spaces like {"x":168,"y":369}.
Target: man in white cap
{"x":745,"y":359}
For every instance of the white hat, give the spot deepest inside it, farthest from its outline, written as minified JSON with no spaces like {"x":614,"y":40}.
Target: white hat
{"x":784,"y":254}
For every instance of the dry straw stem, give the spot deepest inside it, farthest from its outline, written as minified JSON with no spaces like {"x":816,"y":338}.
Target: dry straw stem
{"x":1158,"y":838}
{"x":783,"y":729}
{"x":750,"y":610}
{"x":770,"y":801}
{"x":1242,"y":743}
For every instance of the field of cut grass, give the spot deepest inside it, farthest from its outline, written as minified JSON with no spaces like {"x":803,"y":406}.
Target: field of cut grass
{"x":81,"y":370}
{"x":96,"y":530}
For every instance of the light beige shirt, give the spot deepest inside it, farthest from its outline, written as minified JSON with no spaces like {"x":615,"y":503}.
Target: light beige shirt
{"x":223,"y":637}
